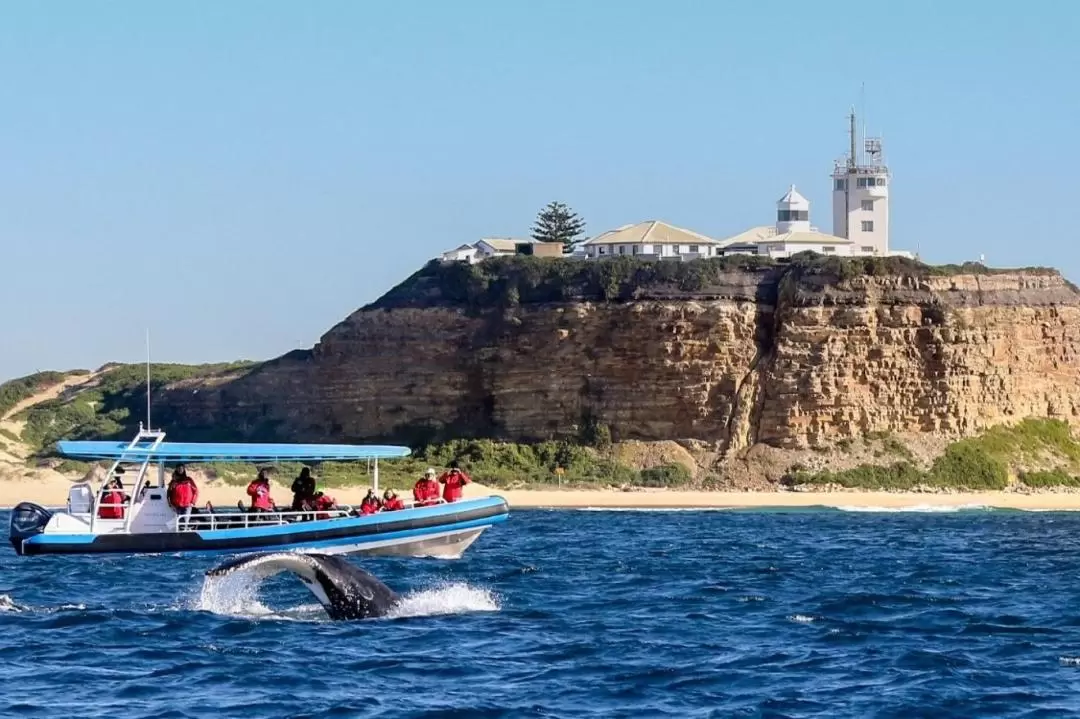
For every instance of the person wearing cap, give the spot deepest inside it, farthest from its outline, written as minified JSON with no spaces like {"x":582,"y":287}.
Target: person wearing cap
{"x":453,"y":481}
{"x":370,"y":504}
{"x":392,"y":502}
{"x":113,"y":500}
{"x":426,"y":489}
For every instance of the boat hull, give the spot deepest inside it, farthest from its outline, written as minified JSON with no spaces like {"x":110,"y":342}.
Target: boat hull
{"x":441,"y":530}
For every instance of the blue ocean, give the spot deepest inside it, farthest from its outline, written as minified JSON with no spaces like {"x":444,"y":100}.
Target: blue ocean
{"x":800,"y":613}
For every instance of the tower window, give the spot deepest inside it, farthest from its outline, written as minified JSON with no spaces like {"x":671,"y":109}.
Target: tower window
{"x":868,"y":205}
{"x":861,"y":182}
{"x":792,"y":215}
{"x":841,"y":184}
{"x":868,"y":226}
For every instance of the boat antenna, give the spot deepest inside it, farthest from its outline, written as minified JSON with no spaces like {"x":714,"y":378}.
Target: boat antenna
{"x":148,"y":426}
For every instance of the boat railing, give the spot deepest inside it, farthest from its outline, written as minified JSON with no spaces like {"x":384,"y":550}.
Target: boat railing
{"x":243,"y":518}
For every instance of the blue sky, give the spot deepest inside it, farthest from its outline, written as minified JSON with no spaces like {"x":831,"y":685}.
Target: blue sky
{"x":240,"y":176}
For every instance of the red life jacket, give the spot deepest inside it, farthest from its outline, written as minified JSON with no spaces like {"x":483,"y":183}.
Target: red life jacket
{"x":114,"y":497}
{"x":426,"y":492}
{"x":183,"y":493}
{"x":453,"y":480}
{"x":369,"y":506}
{"x":259,"y":491}
{"x":322,"y":504}
{"x":392,"y":505}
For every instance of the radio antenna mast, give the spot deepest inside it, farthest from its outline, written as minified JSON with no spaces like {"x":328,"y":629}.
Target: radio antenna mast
{"x":148,"y":425}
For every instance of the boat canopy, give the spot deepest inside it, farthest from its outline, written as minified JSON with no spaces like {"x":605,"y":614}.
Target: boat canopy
{"x":228,"y":452}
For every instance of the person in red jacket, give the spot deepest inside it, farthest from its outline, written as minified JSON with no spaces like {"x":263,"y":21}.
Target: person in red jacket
{"x":370,"y":504}
{"x":182,"y":493}
{"x":322,"y":503}
{"x":259,"y":491}
{"x":426,"y":490}
{"x":453,"y":482}
{"x":112,"y":501}
{"x":392,"y":502}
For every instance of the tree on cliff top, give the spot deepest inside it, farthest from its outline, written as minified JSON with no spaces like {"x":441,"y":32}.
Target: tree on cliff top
{"x":558,"y":223}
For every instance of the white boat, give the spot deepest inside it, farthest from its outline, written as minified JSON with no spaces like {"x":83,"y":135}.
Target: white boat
{"x":150,"y":525}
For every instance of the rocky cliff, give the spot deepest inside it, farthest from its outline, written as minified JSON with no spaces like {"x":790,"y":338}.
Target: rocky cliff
{"x":731,"y":353}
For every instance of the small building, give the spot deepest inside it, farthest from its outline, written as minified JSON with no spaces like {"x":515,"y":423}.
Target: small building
{"x":462,"y":253}
{"x":501,"y":247}
{"x":652,"y":239}
{"x":791,"y":234}
{"x":541,"y":249}
{"x":497,"y":247}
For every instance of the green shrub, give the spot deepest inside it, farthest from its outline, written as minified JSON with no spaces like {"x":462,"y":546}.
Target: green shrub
{"x":666,"y":475}
{"x":897,"y":476}
{"x":966,"y":464}
{"x":14,"y":391}
{"x":1049,"y":479}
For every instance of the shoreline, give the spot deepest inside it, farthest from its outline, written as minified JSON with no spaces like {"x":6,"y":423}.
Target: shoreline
{"x":51,"y":491}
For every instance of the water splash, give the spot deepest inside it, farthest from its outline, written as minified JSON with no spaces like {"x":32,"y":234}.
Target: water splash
{"x":233,"y":595}
{"x":237,"y":595}
{"x":456,"y":598}
{"x":7,"y":604}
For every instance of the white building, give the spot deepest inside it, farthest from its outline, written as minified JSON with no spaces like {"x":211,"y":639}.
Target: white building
{"x":463,"y":253}
{"x":861,"y":196}
{"x":652,"y":239}
{"x":497,"y":247}
{"x":791,"y":234}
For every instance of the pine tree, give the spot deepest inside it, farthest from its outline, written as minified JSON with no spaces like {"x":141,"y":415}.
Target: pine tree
{"x":557,"y":223}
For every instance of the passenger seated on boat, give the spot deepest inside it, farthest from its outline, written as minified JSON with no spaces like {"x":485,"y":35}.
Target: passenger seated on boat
{"x":392,"y":502}
{"x":322,"y":503}
{"x":259,"y":491}
{"x":113,"y":500}
{"x":303,"y":490}
{"x":182,"y":493}
{"x":453,"y":482}
{"x":426,"y":490}
{"x":370,"y":504}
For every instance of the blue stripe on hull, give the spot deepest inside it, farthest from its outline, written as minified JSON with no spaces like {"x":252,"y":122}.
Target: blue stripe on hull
{"x":366,"y":531}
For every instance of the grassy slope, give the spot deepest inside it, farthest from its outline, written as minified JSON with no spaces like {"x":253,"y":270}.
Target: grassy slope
{"x":985,"y":462}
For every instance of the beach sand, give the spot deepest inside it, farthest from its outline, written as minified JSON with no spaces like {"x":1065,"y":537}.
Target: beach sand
{"x":50,"y":489}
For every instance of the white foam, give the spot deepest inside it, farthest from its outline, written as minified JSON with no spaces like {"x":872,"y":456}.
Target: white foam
{"x":457,"y":598}
{"x":1069,"y":661}
{"x":8,"y":605}
{"x":801,"y":618}
{"x":923,"y":508}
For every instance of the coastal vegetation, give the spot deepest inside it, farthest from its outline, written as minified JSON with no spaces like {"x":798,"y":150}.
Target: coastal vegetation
{"x":18,"y":390}
{"x":109,"y":407}
{"x":522,"y":280}
{"x":985,"y":462}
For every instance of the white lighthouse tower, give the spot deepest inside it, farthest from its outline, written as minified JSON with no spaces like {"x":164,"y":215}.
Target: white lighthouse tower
{"x":861,"y":197}
{"x":792,"y":213}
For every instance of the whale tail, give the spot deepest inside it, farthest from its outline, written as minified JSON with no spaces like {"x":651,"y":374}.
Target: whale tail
{"x":344,"y":590}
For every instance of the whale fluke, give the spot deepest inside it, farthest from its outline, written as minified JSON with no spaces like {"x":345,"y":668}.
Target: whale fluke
{"x":345,"y":590}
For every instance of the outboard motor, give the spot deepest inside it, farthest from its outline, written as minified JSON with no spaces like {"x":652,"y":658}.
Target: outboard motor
{"x":27,"y":519}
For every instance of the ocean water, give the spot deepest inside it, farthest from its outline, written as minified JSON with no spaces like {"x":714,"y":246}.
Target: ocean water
{"x":812,"y":613}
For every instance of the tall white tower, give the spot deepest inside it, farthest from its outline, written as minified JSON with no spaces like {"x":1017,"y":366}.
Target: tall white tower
{"x":861,"y":197}
{"x":792,"y":213}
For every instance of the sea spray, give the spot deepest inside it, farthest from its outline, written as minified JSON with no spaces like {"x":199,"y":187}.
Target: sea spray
{"x":455,"y":598}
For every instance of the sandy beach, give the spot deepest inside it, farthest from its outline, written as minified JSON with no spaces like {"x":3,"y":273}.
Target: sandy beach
{"x":51,"y":490}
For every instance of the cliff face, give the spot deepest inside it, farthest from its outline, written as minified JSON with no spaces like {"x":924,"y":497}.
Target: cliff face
{"x":785,"y":357}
